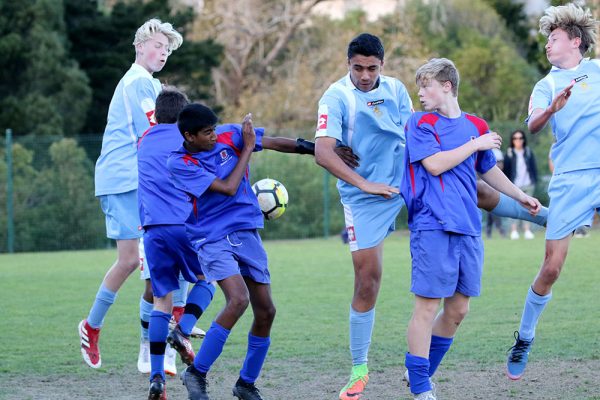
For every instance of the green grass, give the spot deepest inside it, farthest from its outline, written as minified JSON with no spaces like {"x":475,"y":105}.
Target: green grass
{"x":43,"y":296}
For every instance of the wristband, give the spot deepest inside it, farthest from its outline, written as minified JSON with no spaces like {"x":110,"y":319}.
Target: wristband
{"x":305,"y":146}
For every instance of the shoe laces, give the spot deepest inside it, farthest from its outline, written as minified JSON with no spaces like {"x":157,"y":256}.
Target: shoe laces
{"x":519,"y":349}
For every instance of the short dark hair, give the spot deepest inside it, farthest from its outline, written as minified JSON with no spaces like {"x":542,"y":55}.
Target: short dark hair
{"x":168,"y":105}
{"x":195,"y":117}
{"x":366,"y":45}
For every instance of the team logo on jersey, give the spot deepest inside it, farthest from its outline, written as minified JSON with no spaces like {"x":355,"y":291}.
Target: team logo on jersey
{"x":225,"y":156}
{"x":351,"y":234}
{"x":580,"y":78}
{"x":322,"y":122}
{"x":375,"y":102}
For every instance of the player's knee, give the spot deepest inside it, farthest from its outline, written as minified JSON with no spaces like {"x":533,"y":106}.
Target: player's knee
{"x":458,"y":313}
{"x":266,"y":315}
{"x":550,"y":272}
{"x":238,"y":303}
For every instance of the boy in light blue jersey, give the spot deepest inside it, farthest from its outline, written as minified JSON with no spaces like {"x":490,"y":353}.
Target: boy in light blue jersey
{"x":130,"y":114}
{"x":446,"y":149}
{"x":569,"y":98}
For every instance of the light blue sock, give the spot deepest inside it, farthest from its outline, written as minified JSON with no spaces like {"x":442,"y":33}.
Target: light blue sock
{"x":145,"y":311}
{"x":509,"y":207}
{"x":534,"y":305}
{"x":180,"y":295}
{"x":361,"y":329}
{"x":104,"y":299}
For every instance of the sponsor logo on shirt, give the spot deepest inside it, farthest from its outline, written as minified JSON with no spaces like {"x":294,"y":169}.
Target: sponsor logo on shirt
{"x":375,"y":102}
{"x":351,"y":234}
{"x":322,"y":123}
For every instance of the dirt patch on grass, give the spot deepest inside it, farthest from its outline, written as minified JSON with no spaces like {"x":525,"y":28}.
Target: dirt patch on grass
{"x":548,"y":380}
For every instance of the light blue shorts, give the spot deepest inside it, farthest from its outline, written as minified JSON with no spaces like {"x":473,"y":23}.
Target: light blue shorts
{"x":574,"y":198}
{"x":239,"y":253}
{"x":368,"y":224}
{"x":444,"y":263}
{"x":122,"y":215}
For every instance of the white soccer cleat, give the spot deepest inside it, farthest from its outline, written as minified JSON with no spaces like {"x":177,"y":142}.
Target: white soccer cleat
{"x":528,"y":235}
{"x":170,"y":361}
{"x":425,"y":396}
{"x":143,"y":363}
{"x":514,"y":235}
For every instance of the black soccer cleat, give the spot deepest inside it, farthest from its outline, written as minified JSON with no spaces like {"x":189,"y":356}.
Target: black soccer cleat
{"x":195,"y":383}
{"x":246,"y":391}
{"x":157,"y":389}
{"x":181,"y":343}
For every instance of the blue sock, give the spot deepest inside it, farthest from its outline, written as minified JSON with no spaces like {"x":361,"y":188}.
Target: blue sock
{"x":361,"y":329}
{"x":211,"y":348}
{"x":104,"y":299}
{"x":158,"y":331}
{"x":509,"y":207}
{"x":534,"y":305}
{"x":437,"y":350}
{"x":180,"y":295}
{"x":145,"y":311}
{"x":418,"y":373}
{"x":255,"y":357}
{"x":197,"y":302}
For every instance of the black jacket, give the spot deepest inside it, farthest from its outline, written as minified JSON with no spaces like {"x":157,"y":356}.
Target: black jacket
{"x":510,"y":164}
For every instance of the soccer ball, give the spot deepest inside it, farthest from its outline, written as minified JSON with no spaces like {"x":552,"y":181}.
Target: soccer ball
{"x":272,"y":197}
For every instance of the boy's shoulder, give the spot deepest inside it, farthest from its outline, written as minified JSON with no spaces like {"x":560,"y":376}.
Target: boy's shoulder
{"x":480,"y":123}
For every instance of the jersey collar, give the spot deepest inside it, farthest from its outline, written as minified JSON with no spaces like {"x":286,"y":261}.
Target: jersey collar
{"x":575,"y":68}
{"x":141,"y":70}
{"x":348,"y":83}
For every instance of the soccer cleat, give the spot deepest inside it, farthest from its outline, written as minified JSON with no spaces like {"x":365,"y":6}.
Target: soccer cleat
{"x":157,"y":389}
{"x":517,"y":359}
{"x":356,"y":384}
{"x":143,"y":363}
{"x":170,"y":361}
{"x":514,"y":235}
{"x":246,"y":391}
{"x":407,"y":380}
{"x":88,"y":337}
{"x":181,"y":343}
{"x":196,"y":332}
{"x":425,"y":396}
{"x":528,"y":235}
{"x":195,"y":383}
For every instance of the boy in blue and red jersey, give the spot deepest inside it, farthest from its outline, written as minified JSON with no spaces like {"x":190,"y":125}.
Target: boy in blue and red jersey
{"x":163,"y":212}
{"x":445,"y":149}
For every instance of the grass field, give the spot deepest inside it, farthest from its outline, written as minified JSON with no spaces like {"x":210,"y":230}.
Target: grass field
{"x":45,"y":295}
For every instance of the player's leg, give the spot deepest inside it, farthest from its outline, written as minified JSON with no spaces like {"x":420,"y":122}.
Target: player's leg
{"x":158,"y":330}
{"x":146,"y":307}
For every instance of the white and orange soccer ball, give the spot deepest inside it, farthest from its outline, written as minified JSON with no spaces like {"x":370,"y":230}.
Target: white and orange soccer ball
{"x":272,"y":197}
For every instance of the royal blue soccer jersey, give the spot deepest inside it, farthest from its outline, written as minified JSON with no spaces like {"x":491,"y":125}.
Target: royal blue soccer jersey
{"x":576,"y":127}
{"x":372,"y":124}
{"x":216,"y":215}
{"x":446,"y":202}
{"x":160,"y":203}
{"x":130,"y":114}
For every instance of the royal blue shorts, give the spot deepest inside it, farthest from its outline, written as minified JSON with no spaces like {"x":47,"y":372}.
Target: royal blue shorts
{"x":122,"y":215}
{"x":239,"y":253}
{"x":169,"y":253}
{"x":444,"y":263}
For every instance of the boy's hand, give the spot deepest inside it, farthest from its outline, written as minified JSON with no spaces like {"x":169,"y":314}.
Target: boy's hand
{"x":488,"y":141}
{"x":248,"y":133}
{"x":531,"y":203}
{"x":561,"y":98}
{"x":380,"y":189}
{"x":347,"y":156}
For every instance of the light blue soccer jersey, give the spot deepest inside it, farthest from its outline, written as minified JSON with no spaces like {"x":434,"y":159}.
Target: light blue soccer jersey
{"x":372,"y":124}
{"x":576,"y":127}
{"x":130,"y":114}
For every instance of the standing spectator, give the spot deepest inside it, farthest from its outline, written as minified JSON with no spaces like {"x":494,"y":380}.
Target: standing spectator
{"x":520,"y":168}
{"x":491,"y":218}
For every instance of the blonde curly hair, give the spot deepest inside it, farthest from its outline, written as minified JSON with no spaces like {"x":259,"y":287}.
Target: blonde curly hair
{"x":575,"y":20}
{"x":155,"y":25}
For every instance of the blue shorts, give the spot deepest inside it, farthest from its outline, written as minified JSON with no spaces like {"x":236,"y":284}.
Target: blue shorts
{"x":574,"y":197}
{"x":169,"y":253}
{"x":239,"y":253}
{"x":122,"y":215}
{"x":368,"y":224}
{"x":144,"y":269}
{"x":444,"y":263}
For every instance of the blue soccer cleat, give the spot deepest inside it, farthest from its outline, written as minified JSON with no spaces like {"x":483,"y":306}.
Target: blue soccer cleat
{"x":517,"y":359}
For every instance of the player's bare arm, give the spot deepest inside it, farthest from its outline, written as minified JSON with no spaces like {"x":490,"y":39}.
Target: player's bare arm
{"x":301,"y":146}
{"x":539,"y":118}
{"x":443,"y":161}
{"x":229,"y":185}
{"x":326,"y":157}
{"x":496,"y":179}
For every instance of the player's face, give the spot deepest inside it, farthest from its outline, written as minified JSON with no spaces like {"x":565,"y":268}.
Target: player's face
{"x":204,"y":140}
{"x":559,"y":48}
{"x":153,"y":53}
{"x":364,"y":71}
{"x":432,"y":94}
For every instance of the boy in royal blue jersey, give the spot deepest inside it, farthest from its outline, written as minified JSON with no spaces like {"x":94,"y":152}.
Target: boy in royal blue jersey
{"x":163,"y":212}
{"x":569,"y":99}
{"x":445,"y":149}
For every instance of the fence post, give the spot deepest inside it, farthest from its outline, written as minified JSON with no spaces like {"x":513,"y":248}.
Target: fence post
{"x":10,"y":225}
{"x":325,"y":203}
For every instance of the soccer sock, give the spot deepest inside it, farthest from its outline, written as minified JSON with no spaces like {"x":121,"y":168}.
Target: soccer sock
{"x":418,"y":373}
{"x":255,"y":357}
{"x":197,"y":302}
{"x":361,"y":329}
{"x":158,"y":331}
{"x":104,"y":299}
{"x":509,"y":207}
{"x":145,"y":311}
{"x":211,"y":348}
{"x":180,"y":295}
{"x":437,"y":350}
{"x":534,"y":305}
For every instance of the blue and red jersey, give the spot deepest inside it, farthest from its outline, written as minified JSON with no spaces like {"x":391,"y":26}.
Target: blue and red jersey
{"x":216,"y":215}
{"x":446,"y":202}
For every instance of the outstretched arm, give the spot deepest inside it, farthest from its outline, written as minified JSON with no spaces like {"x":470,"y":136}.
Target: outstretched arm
{"x":301,"y":146}
{"x":496,"y":179}
{"x":539,"y":118}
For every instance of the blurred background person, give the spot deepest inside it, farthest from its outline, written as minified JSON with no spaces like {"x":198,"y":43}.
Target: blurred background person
{"x":491,"y":218}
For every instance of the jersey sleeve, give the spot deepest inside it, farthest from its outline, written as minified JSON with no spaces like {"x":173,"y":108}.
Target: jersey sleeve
{"x":140,"y":98}
{"x":421,"y":140}
{"x":486,"y":160}
{"x":188,"y":174}
{"x":541,"y":97}
{"x":231,"y":134}
{"x":405,"y":104}
{"x":330,"y":117}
